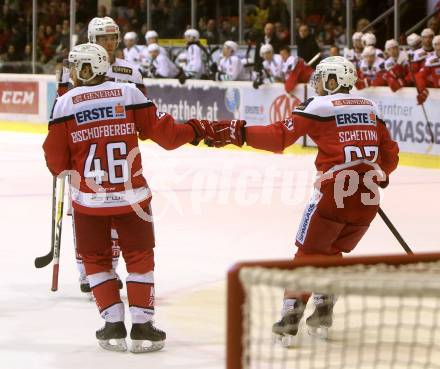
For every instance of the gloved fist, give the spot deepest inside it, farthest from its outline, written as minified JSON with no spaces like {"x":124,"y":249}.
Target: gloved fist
{"x":202,"y":130}
{"x":227,"y":132}
{"x":422,"y":96}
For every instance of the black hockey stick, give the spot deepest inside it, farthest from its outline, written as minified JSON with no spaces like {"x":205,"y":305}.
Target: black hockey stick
{"x":395,"y":232}
{"x":428,"y":123}
{"x":42,"y":261}
{"x":57,"y":238}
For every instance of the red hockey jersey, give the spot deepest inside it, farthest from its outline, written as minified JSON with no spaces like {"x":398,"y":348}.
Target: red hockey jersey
{"x":94,"y":131}
{"x":429,"y":74}
{"x":347,"y":129}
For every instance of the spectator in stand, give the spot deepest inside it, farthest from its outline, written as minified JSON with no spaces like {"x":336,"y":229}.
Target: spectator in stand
{"x":396,"y":65}
{"x":371,"y":69}
{"x":47,"y":44}
{"x":361,"y":10}
{"x":227,"y":31}
{"x":159,"y":16}
{"x":211,"y":33}
{"x":355,"y":54}
{"x":269,"y":38}
{"x":369,"y":39}
{"x":361,"y":24}
{"x":307,"y":46}
{"x":178,"y":14}
{"x":64,"y":40}
{"x":334,"y":51}
{"x":278,"y":12}
{"x":429,"y":74}
{"x":434,"y":24}
{"x":262,"y":12}
{"x":11,"y":55}
{"x":328,"y":34}
{"x":335,"y":14}
{"x":281,"y":33}
{"x":294,"y":69}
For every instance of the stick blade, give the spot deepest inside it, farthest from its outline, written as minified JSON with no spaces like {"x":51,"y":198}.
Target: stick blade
{"x":42,"y":261}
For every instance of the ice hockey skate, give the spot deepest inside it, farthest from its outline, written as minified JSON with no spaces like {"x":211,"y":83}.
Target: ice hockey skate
{"x":146,"y":338}
{"x":286,"y":329}
{"x":112,"y":336}
{"x":322,"y":318}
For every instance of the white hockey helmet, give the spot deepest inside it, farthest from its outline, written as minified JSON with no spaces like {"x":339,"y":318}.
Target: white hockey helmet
{"x":436,"y":40}
{"x":266,"y":48}
{"x":391,"y":43}
{"x":101,"y":27}
{"x":343,"y":69}
{"x":427,"y":32}
{"x":369,"y":39}
{"x":369,"y":51}
{"x":130,"y":36}
{"x":92,"y":54}
{"x":192,"y":33}
{"x":231,"y":45}
{"x":413,"y":40}
{"x":151,"y":34}
{"x":357,"y":36}
{"x":153,"y":47}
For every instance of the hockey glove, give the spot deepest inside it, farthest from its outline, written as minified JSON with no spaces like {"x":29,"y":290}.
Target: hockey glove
{"x":228,"y":132}
{"x":202,"y":130}
{"x":422,"y":96}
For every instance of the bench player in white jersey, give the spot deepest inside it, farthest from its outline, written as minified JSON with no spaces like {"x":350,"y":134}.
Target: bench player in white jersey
{"x":355,"y":155}
{"x":369,"y":39}
{"x":161,"y":66}
{"x":132,"y":52}
{"x":93,"y":134}
{"x":230,"y":67}
{"x":272,"y":67}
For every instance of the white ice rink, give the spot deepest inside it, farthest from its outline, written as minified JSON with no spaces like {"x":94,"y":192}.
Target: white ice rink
{"x":212,"y":207}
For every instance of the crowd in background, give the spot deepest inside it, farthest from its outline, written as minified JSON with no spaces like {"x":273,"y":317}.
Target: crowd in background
{"x":266,"y":23}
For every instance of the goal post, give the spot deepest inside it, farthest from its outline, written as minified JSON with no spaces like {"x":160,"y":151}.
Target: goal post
{"x":391,"y":294}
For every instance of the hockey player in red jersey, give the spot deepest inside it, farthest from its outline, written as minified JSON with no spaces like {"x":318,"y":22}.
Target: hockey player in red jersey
{"x":295,"y":70}
{"x":93,"y":134}
{"x":353,"y":145}
{"x":371,"y":69}
{"x":396,"y":65}
{"x":105,"y":32}
{"x":429,"y":74}
{"x":418,"y":57}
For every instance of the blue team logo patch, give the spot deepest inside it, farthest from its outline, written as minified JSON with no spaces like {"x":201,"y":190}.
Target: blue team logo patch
{"x":94,"y":114}
{"x":355,"y":119}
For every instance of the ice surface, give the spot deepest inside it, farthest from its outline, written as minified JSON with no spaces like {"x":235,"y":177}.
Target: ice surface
{"x":212,"y":207}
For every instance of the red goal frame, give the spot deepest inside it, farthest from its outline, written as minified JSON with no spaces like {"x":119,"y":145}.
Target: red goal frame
{"x":236,"y":296}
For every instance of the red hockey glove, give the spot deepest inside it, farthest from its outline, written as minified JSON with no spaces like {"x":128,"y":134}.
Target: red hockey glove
{"x":228,"y":132}
{"x":202,"y":130}
{"x":422,"y":96}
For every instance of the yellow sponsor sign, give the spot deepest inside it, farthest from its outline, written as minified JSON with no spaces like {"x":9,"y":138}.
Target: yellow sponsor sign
{"x":170,"y":42}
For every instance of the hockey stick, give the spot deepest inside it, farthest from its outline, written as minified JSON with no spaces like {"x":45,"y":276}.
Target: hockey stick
{"x":394,"y":231}
{"x":57,"y":239}
{"x":315,"y":58}
{"x":42,"y":261}
{"x":431,"y":133}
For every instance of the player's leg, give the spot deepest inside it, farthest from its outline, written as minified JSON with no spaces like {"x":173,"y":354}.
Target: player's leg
{"x":137,"y":242}
{"x":83,"y":281}
{"x":315,"y":237}
{"x":116,"y":251}
{"x":94,"y":244}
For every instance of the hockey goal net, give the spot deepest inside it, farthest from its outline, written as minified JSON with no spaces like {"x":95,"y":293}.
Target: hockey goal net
{"x":387,"y":314}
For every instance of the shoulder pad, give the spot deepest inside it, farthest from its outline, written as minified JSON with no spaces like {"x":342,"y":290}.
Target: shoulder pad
{"x":304,"y":104}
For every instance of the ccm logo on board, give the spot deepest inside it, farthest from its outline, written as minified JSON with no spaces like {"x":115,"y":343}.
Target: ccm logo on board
{"x":19,"y":97}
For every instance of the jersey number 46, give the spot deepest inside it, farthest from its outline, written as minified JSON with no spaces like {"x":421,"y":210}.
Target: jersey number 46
{"x":117,"y":171}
